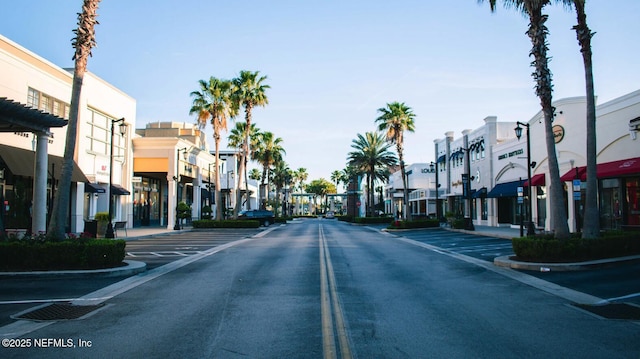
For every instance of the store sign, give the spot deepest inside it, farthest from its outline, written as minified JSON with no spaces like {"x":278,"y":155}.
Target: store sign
{"x":558,"y":133}
{"x":511,"y":154}
{"x":136,"y":179}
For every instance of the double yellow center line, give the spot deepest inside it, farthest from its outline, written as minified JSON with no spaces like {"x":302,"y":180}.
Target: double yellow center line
{"x":331,"y":308}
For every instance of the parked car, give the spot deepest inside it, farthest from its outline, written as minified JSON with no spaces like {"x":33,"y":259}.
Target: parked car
{"x":265,"y":217}
{"x":330,"y":215}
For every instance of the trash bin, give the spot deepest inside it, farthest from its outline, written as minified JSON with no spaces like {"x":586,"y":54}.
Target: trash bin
{"x":91,"y":227}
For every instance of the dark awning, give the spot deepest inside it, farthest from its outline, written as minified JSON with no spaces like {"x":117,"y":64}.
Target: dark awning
{"x":575,"y":173}
{"x":508,"y":189}
{"x":21,"y":162}
{"x":536,"y":180}
{"x":442,"y":159}
{"x":118,"y":190}
{"x":481,"y":193}
{"x":93,"y":188}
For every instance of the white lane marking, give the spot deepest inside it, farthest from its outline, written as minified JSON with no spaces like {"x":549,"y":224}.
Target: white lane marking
{"x":22,"y":327}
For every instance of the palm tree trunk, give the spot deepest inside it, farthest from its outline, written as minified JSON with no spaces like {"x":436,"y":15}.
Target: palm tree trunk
{"x":405,"y":189}
{"x":83,"y":42}
{"x":218,"y":192}
{"x":591,"y":221}
{"x":537,"y":33}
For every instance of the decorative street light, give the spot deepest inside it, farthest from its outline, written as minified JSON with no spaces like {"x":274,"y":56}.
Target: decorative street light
{"x":177,"y":179}
{"x":530,"y":228}
{"x":123,"y":129}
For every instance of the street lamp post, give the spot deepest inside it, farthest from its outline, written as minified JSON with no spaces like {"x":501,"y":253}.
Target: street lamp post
{"x":518,"y":129}
{"x":434,"y":168}
{"x":177,"y":179}
{"x":123,"y":128}
{"x":209,"y":172}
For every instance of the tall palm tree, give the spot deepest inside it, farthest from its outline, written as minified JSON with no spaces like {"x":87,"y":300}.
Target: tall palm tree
{"x":249,"y":91}
{"x":394,"y":120}
{"x":83,"y":41}
{"x":299,"y":176}
{"x":336,"y":177}
{"x":371,"y":156}
{"x":537,"y":33}
{"x":237,"y":140}
{"x":267,"y":152}
{"x":591,"y":228}
{"x":281,"y":176}
{"x":255,"y":174}
{"x":212,"y":103}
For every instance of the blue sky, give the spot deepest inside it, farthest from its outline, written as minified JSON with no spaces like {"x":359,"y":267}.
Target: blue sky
{"x":332,"y":64}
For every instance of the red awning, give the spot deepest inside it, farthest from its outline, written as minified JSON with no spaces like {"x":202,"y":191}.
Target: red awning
{"x":619,"y":168}
{"x":605,"y":170}
{"x":574,"y":173}
{"x":536,"y":180}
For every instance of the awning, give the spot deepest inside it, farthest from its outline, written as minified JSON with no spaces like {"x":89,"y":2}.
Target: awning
{"x":575,"y":173}
{"x":118,"y":190}
{"x":536,"y":180}
{"x":442,"y":158}
{"x":93,"y":188}
{"x":619,"y":168}
{"x":481,"y":193}
{"x":508,"y":189}
{"x":630,"y":166}
{"x":21,"y":162}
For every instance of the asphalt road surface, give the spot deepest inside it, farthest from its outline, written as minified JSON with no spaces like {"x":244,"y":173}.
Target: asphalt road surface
{"x":322,"y":288}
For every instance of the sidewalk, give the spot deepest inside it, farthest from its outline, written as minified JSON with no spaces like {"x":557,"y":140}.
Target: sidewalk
{"x":142,"y":232}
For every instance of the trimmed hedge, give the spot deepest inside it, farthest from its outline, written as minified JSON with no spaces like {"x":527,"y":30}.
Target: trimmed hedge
{"x":373,"y":220}
{"x":345,"y":218}
{"x":227,"y":223}
{"x":548,"y":249}
{"x":63,"y":255}
{"x":421,"y":223}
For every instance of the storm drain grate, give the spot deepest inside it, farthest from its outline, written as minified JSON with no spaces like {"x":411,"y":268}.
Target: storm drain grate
{"x":59,"y":311}
{"x":613,"y":311}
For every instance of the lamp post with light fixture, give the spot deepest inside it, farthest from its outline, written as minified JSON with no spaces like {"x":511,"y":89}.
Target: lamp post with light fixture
{"x":518,"y":129}
{"x":177,"y":179}
{"x":123,"y":129}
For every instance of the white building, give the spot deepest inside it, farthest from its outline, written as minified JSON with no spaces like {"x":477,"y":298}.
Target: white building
{"x":35,"y":82}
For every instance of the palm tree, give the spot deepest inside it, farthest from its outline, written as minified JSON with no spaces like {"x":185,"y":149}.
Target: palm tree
{"x":83,"y":41}
{"x":212,"y":102}
{"x":267,"y":152}
{"x":281,"y":176}
{"x":237,"y":140}
{"x":249,"y":92}
{"x":299,"y":176}
{"x":591,"y":228}
{"x":394,"y":120}
{"x":537,"y":33}
{"x":336,"y":177}
{"x":255,"y":174}
{"x":371,"y":156}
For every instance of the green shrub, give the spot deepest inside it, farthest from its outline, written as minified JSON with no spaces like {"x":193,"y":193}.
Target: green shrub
{"x":102,"y":217}
{"x":457,"y":223}
{"x":281,"y":219}
{"x":345,"y":218}
{"x":373,"y":220}
{"x":228,"y":223}
{"x":422,"y":223}
{"x":545,"y":248}
{"x":63,"y":255}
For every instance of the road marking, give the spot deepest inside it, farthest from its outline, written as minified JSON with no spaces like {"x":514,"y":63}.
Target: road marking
{"x":552,"y":288}
{"x":22,"y":327}
{"x":331,"y":303}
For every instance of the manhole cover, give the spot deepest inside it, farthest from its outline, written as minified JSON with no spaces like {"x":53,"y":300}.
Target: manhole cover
{"x":613,"y":310}
{"x":59,"y":311}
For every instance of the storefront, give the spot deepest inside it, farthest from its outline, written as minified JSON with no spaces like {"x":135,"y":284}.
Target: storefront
{"x":147,"y":201}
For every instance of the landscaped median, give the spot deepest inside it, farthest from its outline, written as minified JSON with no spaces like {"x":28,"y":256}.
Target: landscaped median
{"x":546,"y":248}
{"x":69,"y":254}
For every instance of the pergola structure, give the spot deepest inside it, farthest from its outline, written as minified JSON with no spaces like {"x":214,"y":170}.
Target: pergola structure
{"x":16,"y":117}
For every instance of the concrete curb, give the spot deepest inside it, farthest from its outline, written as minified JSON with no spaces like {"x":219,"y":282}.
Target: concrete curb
{"x":505,"y":261}
{"x":132,"y":268}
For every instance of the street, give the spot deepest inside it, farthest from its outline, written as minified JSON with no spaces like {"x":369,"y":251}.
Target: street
{"x":322,"y":288}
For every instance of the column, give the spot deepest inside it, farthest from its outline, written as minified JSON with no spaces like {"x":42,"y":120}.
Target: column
{"x":39,"y":205}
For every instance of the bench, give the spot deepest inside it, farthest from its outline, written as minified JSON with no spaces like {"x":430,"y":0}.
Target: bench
{"x":120,"y":225}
